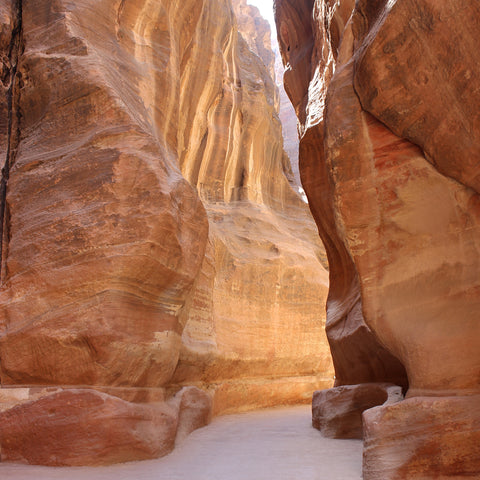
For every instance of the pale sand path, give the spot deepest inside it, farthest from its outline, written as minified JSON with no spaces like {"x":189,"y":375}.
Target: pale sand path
{"x":277,"y":444}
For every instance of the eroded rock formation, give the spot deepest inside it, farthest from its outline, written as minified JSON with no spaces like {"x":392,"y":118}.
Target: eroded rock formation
{"x":337,"y":412}
{"x":151,"y":240}
{"x":358,"y":356}
{"x":257,"y":310}
{"x":387,"y":97}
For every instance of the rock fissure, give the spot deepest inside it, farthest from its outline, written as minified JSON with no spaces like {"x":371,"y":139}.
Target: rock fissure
{"x":13,"y":119}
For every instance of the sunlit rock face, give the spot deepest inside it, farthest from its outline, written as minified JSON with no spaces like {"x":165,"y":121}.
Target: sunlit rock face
{"x":388,"y":104}
{"x":102,"y":236}
{"x":150,"y":237}
{"x":254,"y":332}
{"x":288,"y":119}
{"x":256,"y":31}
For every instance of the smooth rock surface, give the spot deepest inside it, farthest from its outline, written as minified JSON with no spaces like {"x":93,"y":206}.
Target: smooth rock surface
{"x":105,"y":237}
{"x":77,"y":427}
{"x":423,"y":438}
{"x":337,"y":412}
{"x":84,"y":426}
{"x":425,"y":224}
{"x":194,"y":411}
{"x":388,"y":107}
{"x":309,"y":36}
{"x":279,"y":444}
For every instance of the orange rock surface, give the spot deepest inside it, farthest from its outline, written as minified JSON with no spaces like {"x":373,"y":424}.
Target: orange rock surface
{"x":388,"y":102}
{"x":423,"y":437}
{"x":151,"y":239}
{"x":254,"y":332}
{"x":84,"y":426}
{"x":358,"y":356}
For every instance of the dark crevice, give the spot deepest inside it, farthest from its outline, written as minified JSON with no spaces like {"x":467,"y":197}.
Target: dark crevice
{"x":121,"y":8}
{"x":15,"y":50}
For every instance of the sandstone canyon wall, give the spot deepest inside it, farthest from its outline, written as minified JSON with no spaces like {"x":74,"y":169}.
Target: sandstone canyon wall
{"x":151,"y":241}
{"x":288,"y":119}
{"x":387,"y":98}
{"x":257,"y":310}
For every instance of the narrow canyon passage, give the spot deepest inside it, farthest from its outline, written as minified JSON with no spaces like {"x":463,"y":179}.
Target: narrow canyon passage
{"x":275,"y":444}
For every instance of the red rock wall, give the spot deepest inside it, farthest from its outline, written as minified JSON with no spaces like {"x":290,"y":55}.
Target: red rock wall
{"x":387,"y":97}
{"x":151,"y":239}
{"x":310,"y":62}
{"x":103,"y":235}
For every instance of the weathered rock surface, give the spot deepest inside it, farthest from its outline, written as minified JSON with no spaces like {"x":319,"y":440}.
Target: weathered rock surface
{"x":423,"y":217}
{"x":254,"y":325}
{"x":77,"y":427}
{"x":255,"y":30}
{"x":194,"y":411}
{"x":337,"y":412}
{"x":126,"y":129}
{"x":287,"y":118}
{"x":357,"y":355}
{"x":102,"y":236}
{"x":423,"y":437}
{"x":388,"y":106}
{"x":251,"y":347}
{"x":84,"y":426}
{"x":100,"y":254}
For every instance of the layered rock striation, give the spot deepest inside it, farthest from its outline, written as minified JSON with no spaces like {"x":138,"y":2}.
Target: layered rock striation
{"x":102,"y":236}
{"x":387,"y":99}
{"x":357,"y":354}
{"x":254,"y":330}
{"x":150,"y":238}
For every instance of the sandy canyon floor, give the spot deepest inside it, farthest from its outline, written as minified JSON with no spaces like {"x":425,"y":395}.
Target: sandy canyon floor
{"x":275,"y":444}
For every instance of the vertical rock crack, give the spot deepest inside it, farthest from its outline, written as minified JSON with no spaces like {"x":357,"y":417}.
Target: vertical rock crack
{"x":11,"y":78}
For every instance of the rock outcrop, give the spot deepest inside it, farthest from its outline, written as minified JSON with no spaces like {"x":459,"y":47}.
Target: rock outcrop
{"x":387,"y":99}
{"x":150,"y":238}
{"x":358,"y":356}
{"x":85,"y":426}
{"x":337,"y":412}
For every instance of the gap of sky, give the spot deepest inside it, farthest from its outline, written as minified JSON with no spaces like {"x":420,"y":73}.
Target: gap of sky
{"x":266,"y":9}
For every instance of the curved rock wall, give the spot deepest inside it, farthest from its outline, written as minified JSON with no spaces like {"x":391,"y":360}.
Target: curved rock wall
{"x":310,"y":62}
{"x":387,"y":96}
{"x":254,"y":330}
{"x":102,"y":239}
{"x":151,"y":240}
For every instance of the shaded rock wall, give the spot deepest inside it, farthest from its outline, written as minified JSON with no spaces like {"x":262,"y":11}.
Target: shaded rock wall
{"x":310,"y":62}
{"x":387,"y":97}
{"x":128,"y":128}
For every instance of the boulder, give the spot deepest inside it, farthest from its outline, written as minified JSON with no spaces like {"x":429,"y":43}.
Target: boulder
{"x":85,"y":427}
{"x":337,"y":412}
{"x":426,"y":438}
{"x":194,"y":411}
